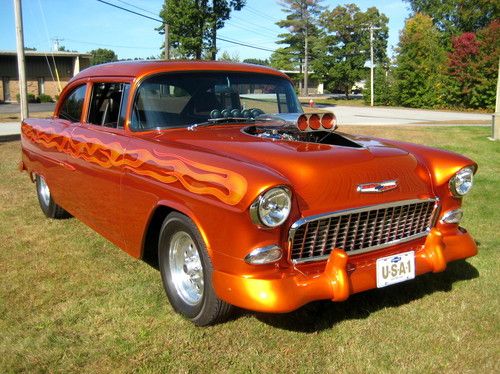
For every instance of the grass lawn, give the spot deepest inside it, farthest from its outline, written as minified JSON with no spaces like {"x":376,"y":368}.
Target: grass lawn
{"x":15,"y":117}
{"x":332,"y":101}
{"x":72,"y":302}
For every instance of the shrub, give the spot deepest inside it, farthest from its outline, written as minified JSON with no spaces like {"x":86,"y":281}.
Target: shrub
{"x":43,"y":98}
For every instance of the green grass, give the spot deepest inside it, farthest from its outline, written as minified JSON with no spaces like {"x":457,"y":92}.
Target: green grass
{"x":72,"y":302}
{"x":333,"y":102}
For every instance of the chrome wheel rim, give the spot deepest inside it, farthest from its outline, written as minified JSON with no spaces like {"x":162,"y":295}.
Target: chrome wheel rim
{"x":44,"y":191}
{"x":186,"y":268}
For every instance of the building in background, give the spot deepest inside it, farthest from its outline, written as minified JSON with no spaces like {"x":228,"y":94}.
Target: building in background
{"x":42,"y":70}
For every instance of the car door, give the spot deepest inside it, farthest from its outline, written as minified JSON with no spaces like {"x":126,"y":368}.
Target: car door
{"x":52,"y":138}
{"x":99,"y":145}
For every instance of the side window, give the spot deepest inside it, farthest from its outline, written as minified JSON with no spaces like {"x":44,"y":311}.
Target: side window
{"x":107,"y":104}
{"x":71,"y":108}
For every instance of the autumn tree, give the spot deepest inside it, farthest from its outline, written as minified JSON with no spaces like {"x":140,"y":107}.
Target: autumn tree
{"x":302,"y":32}
{"x":102,"y":56}
{"x":453,"y":17}
{"x":473,"y":68}
{"x":193,"y":24}
{"x":420,"y":80}
{"x":343,"y":52}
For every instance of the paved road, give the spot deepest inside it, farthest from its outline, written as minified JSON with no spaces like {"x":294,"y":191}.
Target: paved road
{"x":33,"y":107}
{"x":350,"y":115}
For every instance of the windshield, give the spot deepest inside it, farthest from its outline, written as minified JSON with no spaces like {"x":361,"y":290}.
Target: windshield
{"x":183,"y":99}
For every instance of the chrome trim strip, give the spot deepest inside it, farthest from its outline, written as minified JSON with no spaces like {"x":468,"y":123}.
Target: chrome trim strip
{"x":302,"y":221}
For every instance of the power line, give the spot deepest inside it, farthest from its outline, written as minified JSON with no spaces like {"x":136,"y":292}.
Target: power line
{"x":137,"y":7}
{"x":162,"y":22}
{"x":108,"y":45}
{"x":131,"y":11}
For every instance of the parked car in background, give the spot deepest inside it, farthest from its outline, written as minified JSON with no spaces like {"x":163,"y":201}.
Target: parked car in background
{"x":211,"y":172}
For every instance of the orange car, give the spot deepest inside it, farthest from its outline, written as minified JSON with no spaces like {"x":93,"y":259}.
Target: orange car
{"x":211,"y":172}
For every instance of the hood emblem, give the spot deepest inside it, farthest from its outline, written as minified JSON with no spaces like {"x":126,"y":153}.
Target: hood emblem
{"x":377,"y":187}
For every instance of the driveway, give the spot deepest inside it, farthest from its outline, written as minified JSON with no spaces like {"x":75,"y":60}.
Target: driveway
{"x":351,"y":115}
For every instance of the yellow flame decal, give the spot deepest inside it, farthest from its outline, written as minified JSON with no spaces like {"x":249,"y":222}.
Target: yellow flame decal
{"x":227,"y":186}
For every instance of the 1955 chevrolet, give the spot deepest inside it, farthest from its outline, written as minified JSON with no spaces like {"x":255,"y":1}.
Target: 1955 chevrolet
{"x":212,"y":172}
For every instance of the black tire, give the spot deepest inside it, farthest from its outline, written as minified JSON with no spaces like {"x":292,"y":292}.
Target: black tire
{"x":209,"y":309}
{"x":47,"y":203}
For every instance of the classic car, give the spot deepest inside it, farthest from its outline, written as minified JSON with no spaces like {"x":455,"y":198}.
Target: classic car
{"x":212,"y":173}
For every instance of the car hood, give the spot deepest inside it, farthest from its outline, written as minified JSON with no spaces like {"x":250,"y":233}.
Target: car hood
{"x":322,"y":177}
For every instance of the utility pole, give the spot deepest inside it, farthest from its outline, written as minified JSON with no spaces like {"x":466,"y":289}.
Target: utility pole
{"x":167,"y":43}
{"x":371,"y":65}
{"x":306,"y":65}
{"x":23,"y":90}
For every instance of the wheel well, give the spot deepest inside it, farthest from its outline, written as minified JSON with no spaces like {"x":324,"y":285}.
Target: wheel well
{"x":150,"y":250}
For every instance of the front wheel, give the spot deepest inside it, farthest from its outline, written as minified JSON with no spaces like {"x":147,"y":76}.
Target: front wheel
{"x":47,"y":203}
{"x":186,"y":272}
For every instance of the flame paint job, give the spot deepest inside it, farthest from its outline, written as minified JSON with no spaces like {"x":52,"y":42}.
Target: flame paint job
{"x":228,"y":186}
{"x":214,"y":173}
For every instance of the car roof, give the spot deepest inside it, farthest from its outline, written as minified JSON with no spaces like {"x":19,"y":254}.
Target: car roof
{"x":142,"y":68}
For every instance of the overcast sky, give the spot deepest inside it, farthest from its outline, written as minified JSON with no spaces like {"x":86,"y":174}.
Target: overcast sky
{"x":84,"y":25}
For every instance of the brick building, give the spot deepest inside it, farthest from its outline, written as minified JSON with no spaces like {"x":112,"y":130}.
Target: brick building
{"x":41,"y":68}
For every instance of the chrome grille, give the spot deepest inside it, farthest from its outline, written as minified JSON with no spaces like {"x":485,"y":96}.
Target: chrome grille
{"x":360,"y":230}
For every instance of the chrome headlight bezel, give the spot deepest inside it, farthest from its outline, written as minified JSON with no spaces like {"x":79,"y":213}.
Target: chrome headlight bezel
{"x":257,"y":207}
{"x":461,"y":183}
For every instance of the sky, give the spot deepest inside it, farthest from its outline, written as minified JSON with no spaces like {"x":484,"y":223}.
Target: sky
{"x":83,"y":25}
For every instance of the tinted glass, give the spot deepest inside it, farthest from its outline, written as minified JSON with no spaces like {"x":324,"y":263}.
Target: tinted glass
{"x":105,"y":104}
{"x":173,"y":100}
{"x":72,"y":107}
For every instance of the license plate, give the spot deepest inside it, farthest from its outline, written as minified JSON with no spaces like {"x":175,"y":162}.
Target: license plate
{"x":396,"y":268}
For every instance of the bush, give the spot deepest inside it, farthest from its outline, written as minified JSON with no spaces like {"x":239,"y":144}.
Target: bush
{"x":43,"y":98}
{"x":31,"y":98}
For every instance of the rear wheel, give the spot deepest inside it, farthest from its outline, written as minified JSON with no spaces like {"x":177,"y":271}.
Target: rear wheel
{"x":186,"y":271}
{"x":47,"y":204}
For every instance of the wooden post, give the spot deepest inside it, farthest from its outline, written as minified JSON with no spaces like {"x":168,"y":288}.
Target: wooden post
{"x":496,"y":116}
{"x":23,"y":90}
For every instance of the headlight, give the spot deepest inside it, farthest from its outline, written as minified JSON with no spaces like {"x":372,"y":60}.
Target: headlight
{"x":461,"y":183}
{"x":271,"y":208}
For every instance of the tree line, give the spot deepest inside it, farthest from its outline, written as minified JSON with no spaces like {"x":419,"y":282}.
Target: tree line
{"x":447,"y":55}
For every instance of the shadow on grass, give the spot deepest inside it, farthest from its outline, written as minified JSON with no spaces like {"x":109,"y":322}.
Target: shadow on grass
{"x":322,"y":315}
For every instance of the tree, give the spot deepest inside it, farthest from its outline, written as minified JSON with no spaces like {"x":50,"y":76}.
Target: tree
{"x":301,"y":22}
{"x":453,"y":17}
{"x":383,"y":87}
{"x":257,"y":61}
{"x":489,"y":55}
{"x":344,"y":51}
{"x":420,"y":80}
{"x":283,"y":59}
{"x":226,"y":56}
{"x":102,"y":55}
{"x":473,"y":68}
{"x":193,"y":24}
